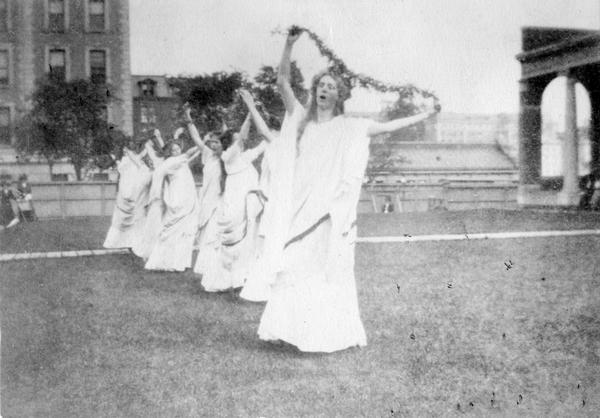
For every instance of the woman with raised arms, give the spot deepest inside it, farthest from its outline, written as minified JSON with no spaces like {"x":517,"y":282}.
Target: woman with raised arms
{"x":132,"y":196}
{"x":313,"y":303}
{"x":173,"y":248}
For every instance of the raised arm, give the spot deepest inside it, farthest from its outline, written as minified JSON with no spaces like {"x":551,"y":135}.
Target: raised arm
{"x":135,"y":158}
{"x":284,"y":75}
{"x":192,"y":153}
{"x":259,"y":122}
{"x":245,"y":129}
{"x":378,"y":128}
{"x":187,"y":114}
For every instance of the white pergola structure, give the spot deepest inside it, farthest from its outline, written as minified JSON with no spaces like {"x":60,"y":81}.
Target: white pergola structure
{"x":548,"y":53}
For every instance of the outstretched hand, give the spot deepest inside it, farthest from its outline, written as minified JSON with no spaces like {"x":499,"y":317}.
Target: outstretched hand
{"x":246,"y":97}
{"x":293,"y":34}
{"x":437,"y":107}
{"x":187,"y":112}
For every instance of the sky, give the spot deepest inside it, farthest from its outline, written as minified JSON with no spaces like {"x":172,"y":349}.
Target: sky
{"x":463,"y":50}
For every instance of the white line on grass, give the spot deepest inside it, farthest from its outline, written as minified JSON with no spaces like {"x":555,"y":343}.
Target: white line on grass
{"x":406,"y":238}
{"x":487,"y":235}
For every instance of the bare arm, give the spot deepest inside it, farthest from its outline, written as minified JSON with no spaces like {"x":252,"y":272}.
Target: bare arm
{"x":192,"y":153}
{"x":191,"y":127}
{"x":245,"y":129}
{"x":133,"y":157}
{"x":284,"y":75}
{"x":259,"y":122}
{"x":377,"y":128}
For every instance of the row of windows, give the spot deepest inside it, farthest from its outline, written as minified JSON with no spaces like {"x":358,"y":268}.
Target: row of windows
{"x":56,"y":17}
{"x":58,"y":64}
{"x":5,"y":125}
{"x":97,"y":61}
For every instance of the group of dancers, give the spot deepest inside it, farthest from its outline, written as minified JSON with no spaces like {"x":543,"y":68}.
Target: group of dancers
{"x":285,"y":236}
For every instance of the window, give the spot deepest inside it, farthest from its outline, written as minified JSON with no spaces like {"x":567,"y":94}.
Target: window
{"x":4,"y":70}
{"x":96,"y":15}
{"x":5,"y":125}
{"x":57,"y":63}
{"x":147,"y":115}
{"x":56,"y":15}
{"x":147,"y":88}
{"x":3,"y":15}
{"x":104,"y":113}
{"x":98,"y":66}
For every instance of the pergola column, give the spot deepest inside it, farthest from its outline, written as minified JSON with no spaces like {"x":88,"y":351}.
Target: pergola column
{"x":530,"y":133}
{"x":570,"y":192}
{"x":595,"y":130}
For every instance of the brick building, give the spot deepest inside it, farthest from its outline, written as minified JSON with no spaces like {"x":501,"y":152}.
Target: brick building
{"x":154,"y":105}
{"x":75,"y":38}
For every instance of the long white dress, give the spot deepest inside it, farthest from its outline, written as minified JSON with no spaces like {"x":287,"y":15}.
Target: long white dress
{"x":236,"y":221}
{"x":132,"y":196}
{"x":173,"y":249}
{"x":313,"y":303}
{"x":257,"y":287}
{"x":209,"y":199}
{"x":152,"y":225}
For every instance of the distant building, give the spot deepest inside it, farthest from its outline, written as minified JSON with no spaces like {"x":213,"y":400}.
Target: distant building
{"x":154,"y":105}
{"x":73,"y":38}
{"x":434,"y":162}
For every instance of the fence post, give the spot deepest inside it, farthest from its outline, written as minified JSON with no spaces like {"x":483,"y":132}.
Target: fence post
{"x":399,"y":201}
{"x":61,"y":199}
{"x":102,"y":199}
{"x":374,"y":202}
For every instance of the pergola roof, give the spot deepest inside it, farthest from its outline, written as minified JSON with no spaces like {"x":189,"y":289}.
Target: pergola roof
{"x":548,"y":51}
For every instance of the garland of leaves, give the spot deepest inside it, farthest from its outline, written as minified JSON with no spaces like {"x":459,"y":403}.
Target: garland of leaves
{"x":356,"y":79}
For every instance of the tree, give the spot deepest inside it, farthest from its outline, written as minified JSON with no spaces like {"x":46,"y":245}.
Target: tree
{"x":209,"y":96}
{"x":68,"y":119}
{"x":269,"y":99}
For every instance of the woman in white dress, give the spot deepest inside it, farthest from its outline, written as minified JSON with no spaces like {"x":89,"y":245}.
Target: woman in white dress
{"x":132,"y":195}
{"x":313,"y":303}
{"x":148,"y":236}
{"x":209,"y":196}
{"x":236,"y":215}
{"x":257,"y":285}
{"x":172,"y":251}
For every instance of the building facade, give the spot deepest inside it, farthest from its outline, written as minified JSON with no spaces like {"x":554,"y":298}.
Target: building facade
{"x":75,"y":39}
{"x":154,"y":105}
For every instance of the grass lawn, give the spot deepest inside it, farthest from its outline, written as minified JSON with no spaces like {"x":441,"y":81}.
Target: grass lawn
{"x":451,"y":331}
{"x":89,"y":233}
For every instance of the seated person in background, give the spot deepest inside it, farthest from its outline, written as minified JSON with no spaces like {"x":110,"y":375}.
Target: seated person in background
{"x":388,"y":206}
{"x":25,"y":200}
{"x":8,"y":215}
{"x":587,"y":184}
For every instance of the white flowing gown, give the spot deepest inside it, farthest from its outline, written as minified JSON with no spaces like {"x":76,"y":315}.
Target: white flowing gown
{"x":313,"y":303}
{"x":209,"y":198}
{"x":152,"y":225}
{"x":172,"y":251}
{"x":132,"y":196}
{"x":257,"y":287}
{"x":236,"y":221}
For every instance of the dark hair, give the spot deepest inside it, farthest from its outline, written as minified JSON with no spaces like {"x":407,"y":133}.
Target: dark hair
{"x":167,"y":149}
{"x":23,"y":177}
{"x":226,"y":139}
{"x":311,"y":113}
